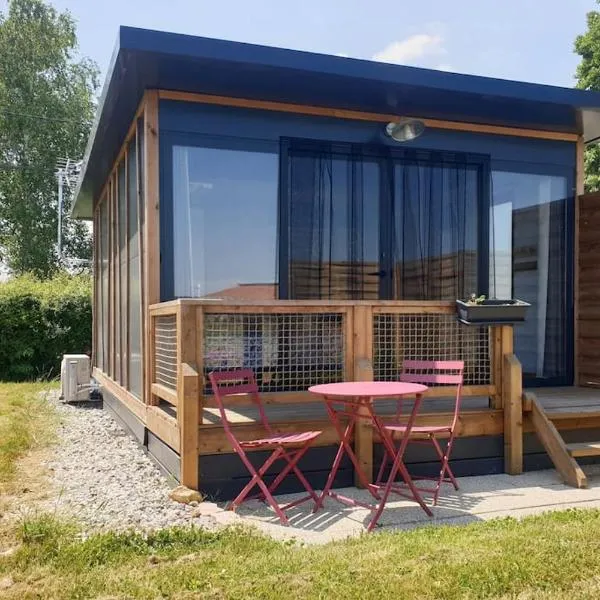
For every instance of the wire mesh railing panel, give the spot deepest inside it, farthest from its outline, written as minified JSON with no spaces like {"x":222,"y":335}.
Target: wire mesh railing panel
{"x":165,"y":351}
{"x":399,"y":337}
{"x":287,"y":352}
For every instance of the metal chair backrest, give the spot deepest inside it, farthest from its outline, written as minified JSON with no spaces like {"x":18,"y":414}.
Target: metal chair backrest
{"x":448,"y":372}
{"x":227,"y":386}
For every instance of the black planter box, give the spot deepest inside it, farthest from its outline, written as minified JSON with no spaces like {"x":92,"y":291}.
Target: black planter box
{"x":492,"y":312}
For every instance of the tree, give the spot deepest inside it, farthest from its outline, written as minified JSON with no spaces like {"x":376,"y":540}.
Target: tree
{"x":588,"y":78}
{"x":46,"y":110}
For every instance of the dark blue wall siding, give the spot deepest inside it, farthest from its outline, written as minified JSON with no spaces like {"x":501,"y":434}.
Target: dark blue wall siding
{"x":194,"y":118}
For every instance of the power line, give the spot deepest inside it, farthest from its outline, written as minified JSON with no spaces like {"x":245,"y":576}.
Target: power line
{"x":25,"y":168}
{"x":13,"y":113}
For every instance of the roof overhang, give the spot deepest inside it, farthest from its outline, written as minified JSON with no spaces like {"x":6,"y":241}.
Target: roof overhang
{"x":145,"y":59}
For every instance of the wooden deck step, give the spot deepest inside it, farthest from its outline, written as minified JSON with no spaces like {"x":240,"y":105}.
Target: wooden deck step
{"x":584,"y":449}
{"x":559,"y":453}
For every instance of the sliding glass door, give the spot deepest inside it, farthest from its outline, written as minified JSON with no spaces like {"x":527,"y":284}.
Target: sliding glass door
{"x":358,"y":224}
{"x":531,"y":260}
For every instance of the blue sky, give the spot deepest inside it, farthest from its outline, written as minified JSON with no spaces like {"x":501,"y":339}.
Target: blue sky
{"x":530,"y":40}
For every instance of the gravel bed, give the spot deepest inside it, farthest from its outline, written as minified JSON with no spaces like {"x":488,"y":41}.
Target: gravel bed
{"x":104,"y":479}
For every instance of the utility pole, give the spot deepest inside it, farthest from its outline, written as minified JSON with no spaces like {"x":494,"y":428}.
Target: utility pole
{"x":67,"y":174}
{"x":59,"y":175}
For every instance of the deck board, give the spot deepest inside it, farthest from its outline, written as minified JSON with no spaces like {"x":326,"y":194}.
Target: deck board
{"x":570,"y":400}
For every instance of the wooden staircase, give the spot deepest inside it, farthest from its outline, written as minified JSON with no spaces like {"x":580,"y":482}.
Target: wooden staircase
{"x":562,"y":455}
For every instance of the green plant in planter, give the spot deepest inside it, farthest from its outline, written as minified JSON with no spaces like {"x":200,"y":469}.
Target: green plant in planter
{"x":473,"y":299}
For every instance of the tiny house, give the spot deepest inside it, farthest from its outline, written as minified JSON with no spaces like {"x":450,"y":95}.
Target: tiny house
{"x":315,"y":218}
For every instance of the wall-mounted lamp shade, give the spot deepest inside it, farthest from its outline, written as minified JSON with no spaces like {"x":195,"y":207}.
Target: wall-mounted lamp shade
{"x":405,"y":130}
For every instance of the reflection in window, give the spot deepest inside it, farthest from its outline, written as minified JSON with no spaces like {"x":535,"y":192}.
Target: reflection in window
{"x":224,"y":223}
{"x":528,"y":261}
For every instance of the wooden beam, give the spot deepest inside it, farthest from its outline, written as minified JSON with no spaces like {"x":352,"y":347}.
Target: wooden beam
{"x":151,"y":256}
{"x":188,"y":388}
{"x":164,"y":393}
{"x":163,"y":426}
{"x":144,"y":332}
{"x":513,"y":415}
{"x":555,"y":446}
{"x":157,"y":310}
{"x":528,"y":402}
{"x":338,"y":113}
{"x":507,"y":348}
{"x":471,"y":424}
{"x":187,"y":419}
{"x":496,"y":335}
{"x":363,"y":371}
{"x":127,"y":398}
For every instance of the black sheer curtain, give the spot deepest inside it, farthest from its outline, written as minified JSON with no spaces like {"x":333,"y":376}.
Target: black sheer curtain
{"x":436,"y":221}
{"x":333,"y":212}
{"x":363,"y":225}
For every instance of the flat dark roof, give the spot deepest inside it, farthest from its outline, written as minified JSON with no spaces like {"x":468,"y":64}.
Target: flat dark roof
{"x":145,"y":59}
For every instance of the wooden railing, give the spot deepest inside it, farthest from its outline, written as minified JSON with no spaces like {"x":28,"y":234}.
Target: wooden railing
{"x":294,"y":344}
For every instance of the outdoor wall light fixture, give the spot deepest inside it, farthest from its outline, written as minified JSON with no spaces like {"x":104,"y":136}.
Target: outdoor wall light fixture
{"x":405,"y":130}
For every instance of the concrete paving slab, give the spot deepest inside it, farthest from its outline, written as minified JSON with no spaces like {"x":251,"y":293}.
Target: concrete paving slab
{"x":478,"y":499}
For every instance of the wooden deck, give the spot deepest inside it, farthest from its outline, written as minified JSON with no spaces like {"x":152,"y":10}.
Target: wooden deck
{"x":558,"y":402}
{"x":583,"y":401}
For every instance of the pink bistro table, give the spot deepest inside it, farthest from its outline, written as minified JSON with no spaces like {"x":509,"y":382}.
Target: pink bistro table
{"x":346,"y":399}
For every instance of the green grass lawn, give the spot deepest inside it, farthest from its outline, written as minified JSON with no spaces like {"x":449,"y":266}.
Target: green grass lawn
{"x":553,"y":556}
{"x":26,"y":422}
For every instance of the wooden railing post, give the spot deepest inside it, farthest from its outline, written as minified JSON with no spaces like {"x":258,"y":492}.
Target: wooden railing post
{"x":188,"y":390}
{"x":513,"y":414}
{"x":363,"y":371}
{"x":187,"y":420}
{"x":151,"y":398}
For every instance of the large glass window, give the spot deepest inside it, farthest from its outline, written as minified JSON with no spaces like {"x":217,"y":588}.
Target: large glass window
{"x":224,"y":223}
{"x":529,"y":261}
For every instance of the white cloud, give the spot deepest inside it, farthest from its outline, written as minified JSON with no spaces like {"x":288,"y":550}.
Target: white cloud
{"x":342,"y":54}
{"x":445,"y":67}
{"x":412,"y":49}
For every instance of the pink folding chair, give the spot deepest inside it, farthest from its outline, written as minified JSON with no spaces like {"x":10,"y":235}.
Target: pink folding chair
{"x":289,"y":447}
{"x":448,"y":372}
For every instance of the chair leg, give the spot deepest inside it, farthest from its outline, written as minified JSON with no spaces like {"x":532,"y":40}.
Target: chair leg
{"x":292,"y":460}
{"x":257,"y":479}
{"x":445,"y":467}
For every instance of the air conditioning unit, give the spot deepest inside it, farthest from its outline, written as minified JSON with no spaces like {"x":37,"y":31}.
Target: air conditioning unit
{"x":75,"y":378}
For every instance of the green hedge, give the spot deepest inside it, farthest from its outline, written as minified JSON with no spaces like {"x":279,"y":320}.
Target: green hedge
{"x":40,"y":321}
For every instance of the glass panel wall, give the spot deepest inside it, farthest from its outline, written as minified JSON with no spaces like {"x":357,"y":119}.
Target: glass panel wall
{"x":103,"y":358}
{"x":224,"y":223}
{"x":121,"y":302}
{"x":135,"y":299}
{"x":529,"y":261}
